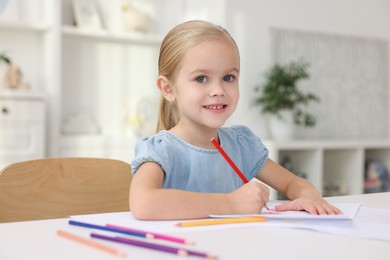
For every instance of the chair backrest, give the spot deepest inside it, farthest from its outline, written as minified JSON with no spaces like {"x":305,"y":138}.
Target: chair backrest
{"x":60,"y":187}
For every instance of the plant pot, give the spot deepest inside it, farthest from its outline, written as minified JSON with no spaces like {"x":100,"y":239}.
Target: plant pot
{"x":282,"y":128}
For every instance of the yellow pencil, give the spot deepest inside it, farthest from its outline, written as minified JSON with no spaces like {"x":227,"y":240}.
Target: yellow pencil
{"x":91,"y":243}
{"x":221,"y":221}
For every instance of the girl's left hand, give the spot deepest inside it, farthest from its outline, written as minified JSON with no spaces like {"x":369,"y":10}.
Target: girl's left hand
{"x":317,"y":206}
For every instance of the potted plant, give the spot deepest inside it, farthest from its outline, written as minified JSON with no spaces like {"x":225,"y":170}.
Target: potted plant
{"x":13,"y":75}
{"x":279,"y":95}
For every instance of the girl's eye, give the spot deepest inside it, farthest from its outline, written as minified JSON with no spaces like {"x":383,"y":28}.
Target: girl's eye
{"x":201,"y":79}
{"x":229,"y":78}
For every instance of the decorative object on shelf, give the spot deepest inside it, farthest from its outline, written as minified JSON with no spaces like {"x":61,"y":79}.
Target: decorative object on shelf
{"x":86,"y":14}
{"x":335,"y":188}
{"x":142,"y":116}
{"x":376,"y":177}
{"x":280,"y":97}
{"x":134,"y":19}
{"x":289,"y":165}
{"x":121,"y":16}
{"x":81,"y":122}
{"x":13,"y":75}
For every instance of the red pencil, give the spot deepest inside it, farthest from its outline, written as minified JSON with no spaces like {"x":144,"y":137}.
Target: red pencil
{"x":232,"y":164}
{"x":235,"y":168}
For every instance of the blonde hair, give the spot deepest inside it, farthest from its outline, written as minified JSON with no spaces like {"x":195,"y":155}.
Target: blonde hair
{"x":175,"y":45}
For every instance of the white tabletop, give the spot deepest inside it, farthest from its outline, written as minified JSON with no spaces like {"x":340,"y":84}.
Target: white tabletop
{"x":38,"y":240}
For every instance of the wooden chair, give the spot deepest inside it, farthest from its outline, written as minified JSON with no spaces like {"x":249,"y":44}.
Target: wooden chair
{"x":60,"y":187}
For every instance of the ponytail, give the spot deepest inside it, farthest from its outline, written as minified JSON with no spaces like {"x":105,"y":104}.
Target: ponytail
{"x":168,"y":115}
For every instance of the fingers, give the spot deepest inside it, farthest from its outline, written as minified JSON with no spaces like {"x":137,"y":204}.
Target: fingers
{"x":310,"y":207}
{"x":295,"y":205}
{"x":291,"y":205}
{"x":327,"y":209}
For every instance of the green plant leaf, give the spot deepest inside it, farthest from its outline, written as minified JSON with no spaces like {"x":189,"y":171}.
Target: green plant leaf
{"x":280,"y":91}
{"x":5,"y":58}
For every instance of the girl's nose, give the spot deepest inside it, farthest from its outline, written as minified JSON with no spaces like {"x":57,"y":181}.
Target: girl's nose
{"x":217,"y":90}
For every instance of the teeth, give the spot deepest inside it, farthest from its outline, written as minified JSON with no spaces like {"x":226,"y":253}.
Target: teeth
{"x":214,"y":107}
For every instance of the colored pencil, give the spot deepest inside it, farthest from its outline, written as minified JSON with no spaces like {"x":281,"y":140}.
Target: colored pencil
{"x":90,"y":243}
{"x":227,"y":158}
{"x":117,"y":230}
{"x":156,"y":235}
{"x":154,"y":246}
{"x":220,"y":221}
{"x":232,"y":164}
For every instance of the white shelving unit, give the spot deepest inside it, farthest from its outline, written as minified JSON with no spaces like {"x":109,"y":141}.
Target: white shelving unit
{"x":327,"y":163}
{"x":91,"y":90}
{"x":23,"y":112}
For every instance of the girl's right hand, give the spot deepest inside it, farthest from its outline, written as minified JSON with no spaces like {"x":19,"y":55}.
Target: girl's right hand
{"x":249,"y":199}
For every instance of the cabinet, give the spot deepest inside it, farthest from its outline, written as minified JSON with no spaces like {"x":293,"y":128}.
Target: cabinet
{"x":334,"y":167}
{"x":22,"y":128}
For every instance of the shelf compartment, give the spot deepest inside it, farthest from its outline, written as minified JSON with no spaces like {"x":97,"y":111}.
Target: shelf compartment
{"x":381,"y":155}
{"x":343,"y":171}
{"x":304,"y":163}
{"x":105,"y":94}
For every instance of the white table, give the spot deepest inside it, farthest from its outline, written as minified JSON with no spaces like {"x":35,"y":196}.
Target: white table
{"x":38,"y":240}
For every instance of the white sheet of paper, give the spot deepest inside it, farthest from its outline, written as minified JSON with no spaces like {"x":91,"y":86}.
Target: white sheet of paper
{"x":369,"y":223}
{"x":349,"y":212}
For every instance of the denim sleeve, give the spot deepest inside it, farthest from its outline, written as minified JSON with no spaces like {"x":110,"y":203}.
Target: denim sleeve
{"x":150,"y":149}
{"x":253,"y":152}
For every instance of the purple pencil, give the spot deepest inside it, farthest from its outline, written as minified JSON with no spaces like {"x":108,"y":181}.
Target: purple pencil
{"x":153,"y":246}
{"x":155,"y":235}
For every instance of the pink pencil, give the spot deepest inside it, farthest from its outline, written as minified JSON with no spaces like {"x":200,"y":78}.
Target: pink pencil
{"x":155,"y":235}
{"x":232,"y":164}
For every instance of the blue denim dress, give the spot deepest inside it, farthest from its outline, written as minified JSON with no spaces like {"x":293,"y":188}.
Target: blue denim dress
{"x":187,"y":167}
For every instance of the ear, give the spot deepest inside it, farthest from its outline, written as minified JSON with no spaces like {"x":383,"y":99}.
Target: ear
{"x":165,"y":86}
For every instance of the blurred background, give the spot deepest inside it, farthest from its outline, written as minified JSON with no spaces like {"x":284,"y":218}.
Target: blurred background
{"x":78,"y":79}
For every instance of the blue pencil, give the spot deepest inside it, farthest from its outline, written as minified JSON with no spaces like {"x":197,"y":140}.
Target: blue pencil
{"x":105,"y":228}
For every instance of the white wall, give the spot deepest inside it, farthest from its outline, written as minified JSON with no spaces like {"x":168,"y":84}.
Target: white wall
{"x":249,"y":22}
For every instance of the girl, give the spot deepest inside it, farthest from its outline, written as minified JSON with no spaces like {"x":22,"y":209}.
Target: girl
{"x":178,"y":173}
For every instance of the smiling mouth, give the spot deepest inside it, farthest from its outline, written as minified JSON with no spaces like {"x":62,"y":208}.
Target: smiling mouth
{"x":216,"y":107}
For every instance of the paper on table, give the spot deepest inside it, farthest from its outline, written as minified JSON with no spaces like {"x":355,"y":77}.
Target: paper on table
{"x":371,"y":223}
{"x":126,"y":219}
{"x":349,"y":212}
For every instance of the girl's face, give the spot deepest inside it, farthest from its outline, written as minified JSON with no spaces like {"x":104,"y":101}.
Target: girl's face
{"x":206,"y":87}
